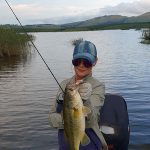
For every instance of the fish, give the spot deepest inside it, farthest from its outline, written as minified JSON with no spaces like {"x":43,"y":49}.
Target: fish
{"x":74,"y":113}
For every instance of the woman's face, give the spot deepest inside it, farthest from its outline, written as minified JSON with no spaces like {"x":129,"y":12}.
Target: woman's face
{"x":81,"y":71}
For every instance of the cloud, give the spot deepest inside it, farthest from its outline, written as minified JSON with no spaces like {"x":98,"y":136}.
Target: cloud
{"x":63,"y":18}
{"x":78,"y":14}
{"x":128,"y":9}
{"x":53,"y":13}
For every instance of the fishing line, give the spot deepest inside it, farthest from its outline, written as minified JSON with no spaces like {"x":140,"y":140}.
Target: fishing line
{"x":33,"y":45}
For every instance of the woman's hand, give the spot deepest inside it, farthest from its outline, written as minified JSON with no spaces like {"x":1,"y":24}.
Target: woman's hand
{"x":55,"y":120}
{"x":85,"y":90}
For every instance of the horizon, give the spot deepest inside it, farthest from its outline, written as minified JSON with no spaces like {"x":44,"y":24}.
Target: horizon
{"x":75,"y":21}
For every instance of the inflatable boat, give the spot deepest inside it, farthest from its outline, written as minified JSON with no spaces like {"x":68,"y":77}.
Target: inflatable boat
{"x":113,"y":124}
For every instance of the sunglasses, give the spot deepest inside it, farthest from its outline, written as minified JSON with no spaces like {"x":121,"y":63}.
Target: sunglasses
{"x":85,"y":62}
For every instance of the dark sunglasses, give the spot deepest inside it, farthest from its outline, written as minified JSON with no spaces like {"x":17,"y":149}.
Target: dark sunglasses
{"x":85,"y":62}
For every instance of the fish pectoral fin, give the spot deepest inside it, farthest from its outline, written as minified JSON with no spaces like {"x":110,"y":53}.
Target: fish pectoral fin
{"x":76,"y":107}
{"x":86,"y":140}
{"x":86,"y":110}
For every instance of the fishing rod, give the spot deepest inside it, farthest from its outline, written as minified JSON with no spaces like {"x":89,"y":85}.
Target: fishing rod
{"x":34,"y":45}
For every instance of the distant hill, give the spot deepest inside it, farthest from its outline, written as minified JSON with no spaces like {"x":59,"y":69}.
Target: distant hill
{"x":142,"y":18}
{"x":110,"y":20}
{"x":98,"y":23}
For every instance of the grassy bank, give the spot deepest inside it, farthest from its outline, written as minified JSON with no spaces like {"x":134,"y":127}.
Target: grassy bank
{"x":146,"y":36}
{"x":63,"y":28}
{"x":13,"y":43}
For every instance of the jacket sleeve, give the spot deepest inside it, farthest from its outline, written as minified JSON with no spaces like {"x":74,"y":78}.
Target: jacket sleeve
{"x":95,"y":102}
{"x":98,"y":92}
{"x":55,"y":117}
{"x":98,"y":97}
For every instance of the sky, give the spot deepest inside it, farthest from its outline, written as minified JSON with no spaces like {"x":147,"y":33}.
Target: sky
{"x":66,"y":11}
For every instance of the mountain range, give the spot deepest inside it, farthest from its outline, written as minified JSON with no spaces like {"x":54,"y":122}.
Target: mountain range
{"x":109,"y":20}
{"x":98,"y":22}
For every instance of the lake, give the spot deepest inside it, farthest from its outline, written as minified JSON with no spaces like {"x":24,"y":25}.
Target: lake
{"x":27,"y":88}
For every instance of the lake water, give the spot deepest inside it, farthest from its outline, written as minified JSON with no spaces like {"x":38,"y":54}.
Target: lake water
{"x":27,"y":88}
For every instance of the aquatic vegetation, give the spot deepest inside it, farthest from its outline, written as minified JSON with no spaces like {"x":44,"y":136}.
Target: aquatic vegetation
{"x":77,"y":41}
{"x":13,"y":43}
{"x":146,"y":36}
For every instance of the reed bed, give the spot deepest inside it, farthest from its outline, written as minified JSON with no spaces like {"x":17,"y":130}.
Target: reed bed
{"x":13,"y":43}
{"x":77,"y":41}
{"x":146,"y":36}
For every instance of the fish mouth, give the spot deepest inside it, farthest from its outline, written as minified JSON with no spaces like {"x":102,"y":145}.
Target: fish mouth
{"x":71,"y":90}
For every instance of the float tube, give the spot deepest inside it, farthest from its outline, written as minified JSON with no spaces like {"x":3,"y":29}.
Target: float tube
{"x":114,"y":122}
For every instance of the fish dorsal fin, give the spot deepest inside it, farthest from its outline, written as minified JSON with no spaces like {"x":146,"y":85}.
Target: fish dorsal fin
{"x":86,"y":110}
{"x":85,"y":140}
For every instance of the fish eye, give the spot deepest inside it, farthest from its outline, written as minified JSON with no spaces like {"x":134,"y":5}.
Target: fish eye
{"x":71,"y":89}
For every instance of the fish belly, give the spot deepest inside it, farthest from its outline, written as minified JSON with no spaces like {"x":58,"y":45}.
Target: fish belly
{"x":74,"y":126}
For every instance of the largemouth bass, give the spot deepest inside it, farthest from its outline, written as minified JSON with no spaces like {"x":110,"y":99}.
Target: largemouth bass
{"x":74,"y":117}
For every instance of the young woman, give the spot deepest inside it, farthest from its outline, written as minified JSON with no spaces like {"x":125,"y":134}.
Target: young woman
{"x":91,"y":91}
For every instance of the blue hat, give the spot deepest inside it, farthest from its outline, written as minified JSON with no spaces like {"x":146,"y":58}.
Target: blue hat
{"x":86,"y":50}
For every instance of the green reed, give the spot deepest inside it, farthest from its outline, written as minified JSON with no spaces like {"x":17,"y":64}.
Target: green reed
{"x":13,"y":43}
{"x":146,"y":36}
{"x":77,"y":41}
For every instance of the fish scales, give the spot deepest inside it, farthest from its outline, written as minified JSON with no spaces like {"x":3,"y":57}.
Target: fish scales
{"x":74,"y":117}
